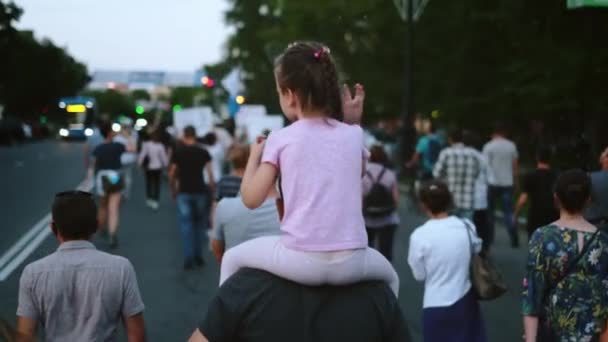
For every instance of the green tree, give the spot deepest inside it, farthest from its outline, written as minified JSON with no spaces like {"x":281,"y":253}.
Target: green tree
{"x":113,"y":103}
{"x":535,"y":65}
{"x":140,"y":94}
{"x":33,"y":74}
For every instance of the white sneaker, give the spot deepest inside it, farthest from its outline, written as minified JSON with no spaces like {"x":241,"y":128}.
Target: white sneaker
{"x":154,"y":204}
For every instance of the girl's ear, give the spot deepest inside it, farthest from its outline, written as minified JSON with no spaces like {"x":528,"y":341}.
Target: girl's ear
{"x":292,"y":98}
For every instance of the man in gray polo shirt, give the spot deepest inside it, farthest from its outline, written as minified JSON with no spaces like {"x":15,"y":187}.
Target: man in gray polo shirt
{"x":234,"y":223}
{"x":79,"y":293}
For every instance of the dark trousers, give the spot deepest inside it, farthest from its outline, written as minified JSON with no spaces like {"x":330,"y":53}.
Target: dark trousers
{"x":385,"y":236}
{"x":482,"y":223}
{"x":153,"y":184}
{"x":504,"y":195}
{"x":459,"y":322}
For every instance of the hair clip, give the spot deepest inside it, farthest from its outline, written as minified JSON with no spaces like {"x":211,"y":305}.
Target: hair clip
{"x":321,"y":52}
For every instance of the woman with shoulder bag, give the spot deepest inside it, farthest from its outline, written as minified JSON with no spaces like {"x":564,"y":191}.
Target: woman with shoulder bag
{"x":440,"y":256}
{"x":565,"y":291}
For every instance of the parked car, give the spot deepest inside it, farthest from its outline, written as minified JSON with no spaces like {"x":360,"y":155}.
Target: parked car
{"x":11,"y":131}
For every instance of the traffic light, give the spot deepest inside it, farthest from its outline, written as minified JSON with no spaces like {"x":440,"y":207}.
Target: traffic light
{"x":207,"y":81}
{"x":139,"y":110}
{"x":240,"y":99}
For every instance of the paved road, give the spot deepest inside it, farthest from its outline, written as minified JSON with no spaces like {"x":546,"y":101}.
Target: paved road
{"x":175,"y":300}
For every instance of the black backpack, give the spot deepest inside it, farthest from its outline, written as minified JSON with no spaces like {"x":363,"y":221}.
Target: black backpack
{"x":379,"y":200}
{"x":434,"y":150}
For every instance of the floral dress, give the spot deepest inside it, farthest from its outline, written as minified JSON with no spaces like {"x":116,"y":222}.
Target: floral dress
{"x":577,"y":306}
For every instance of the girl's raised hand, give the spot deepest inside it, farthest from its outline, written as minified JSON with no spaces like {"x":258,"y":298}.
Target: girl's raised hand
{"x":257,"y":148}
{"x":353,"y":106}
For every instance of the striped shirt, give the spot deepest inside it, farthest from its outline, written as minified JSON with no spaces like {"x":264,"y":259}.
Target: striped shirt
{"x":229,"y":186}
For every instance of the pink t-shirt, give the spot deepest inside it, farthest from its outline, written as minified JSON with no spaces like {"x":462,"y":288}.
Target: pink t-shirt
{"x":320,"y":161}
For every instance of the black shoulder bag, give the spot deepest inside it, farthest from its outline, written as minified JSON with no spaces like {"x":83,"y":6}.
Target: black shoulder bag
{"x":545,"y":332}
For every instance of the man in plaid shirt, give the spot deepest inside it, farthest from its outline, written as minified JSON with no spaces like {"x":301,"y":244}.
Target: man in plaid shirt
{"x":459,"y":166}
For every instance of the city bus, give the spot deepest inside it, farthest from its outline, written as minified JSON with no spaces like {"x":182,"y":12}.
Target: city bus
{"x":79,"y":114}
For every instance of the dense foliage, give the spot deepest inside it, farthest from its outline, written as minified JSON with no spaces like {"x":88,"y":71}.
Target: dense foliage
{"x":33,"y":74}
{"x":537,"y":65}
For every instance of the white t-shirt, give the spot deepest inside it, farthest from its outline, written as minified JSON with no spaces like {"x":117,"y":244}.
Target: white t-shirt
{"x":439,"y":255}
{"x":127,"y":158}
{"x":217,"y":160}
{"x":501,"y":153}
{"x":481,"y":184}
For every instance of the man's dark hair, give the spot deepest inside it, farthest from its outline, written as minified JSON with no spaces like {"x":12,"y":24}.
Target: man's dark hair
{"x":105,"y":129}
{"x":455,"y":134}
{"x":308,"y":69}
{"x":189,"y":132}
{"x":573,"y":189}
{"x":543,"y":154}
{"x":436,"y":197}
{"x":470,"y":138}
{"x":210,"y":139}
{"x":499,"y":128}
{"x":74,"y":215}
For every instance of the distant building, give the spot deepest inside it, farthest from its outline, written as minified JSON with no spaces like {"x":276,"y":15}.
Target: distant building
{"x":149,"y":80}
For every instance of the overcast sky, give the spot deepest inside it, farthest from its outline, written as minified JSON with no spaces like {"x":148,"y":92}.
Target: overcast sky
{"x":164,"y":35}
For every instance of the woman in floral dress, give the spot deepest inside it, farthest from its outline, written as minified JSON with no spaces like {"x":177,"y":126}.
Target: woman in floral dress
{"x":570,"y":301}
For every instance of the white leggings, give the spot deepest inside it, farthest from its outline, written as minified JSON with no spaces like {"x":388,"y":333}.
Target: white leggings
{"x":309,"y":268}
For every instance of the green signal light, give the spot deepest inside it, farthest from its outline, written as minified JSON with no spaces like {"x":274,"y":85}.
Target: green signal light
{"x":177,"y":108}
{"x":139,"y":110}
{"x":43,"y":120}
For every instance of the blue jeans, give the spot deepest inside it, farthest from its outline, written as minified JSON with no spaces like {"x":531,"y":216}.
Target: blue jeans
{"x":193,"y":214}
{"x":504,"y":195}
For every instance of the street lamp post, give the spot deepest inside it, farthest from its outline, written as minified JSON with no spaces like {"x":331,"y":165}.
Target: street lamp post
{"x":409,"y":12}
{"x":409,"y":56}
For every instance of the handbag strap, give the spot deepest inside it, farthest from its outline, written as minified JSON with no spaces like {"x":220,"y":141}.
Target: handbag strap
{"x":469,"y":230}
{"x":572,"y":264}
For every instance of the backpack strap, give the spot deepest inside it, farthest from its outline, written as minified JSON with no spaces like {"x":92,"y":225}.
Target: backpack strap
{"x":381,"y":174}
{"x":369,"y":174}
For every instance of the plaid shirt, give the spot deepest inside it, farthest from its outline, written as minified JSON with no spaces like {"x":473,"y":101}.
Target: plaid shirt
{"x":459,"y":166}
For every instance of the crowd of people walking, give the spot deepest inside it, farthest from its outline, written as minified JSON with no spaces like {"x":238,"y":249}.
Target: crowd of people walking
{"x":304,"y":223}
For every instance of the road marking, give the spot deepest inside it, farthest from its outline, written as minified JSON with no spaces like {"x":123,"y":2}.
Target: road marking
{"x":19,"y":245}
{"x":26,"y":245}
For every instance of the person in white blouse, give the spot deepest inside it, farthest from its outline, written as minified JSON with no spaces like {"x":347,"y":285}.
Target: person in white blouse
{"x":153,"y":158}
{"x":439,"y":256}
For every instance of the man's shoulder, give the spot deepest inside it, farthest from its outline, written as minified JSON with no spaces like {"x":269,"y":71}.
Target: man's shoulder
{"x":230,"y":204}
{"x":94,"y":257}
{"x":40,"y":264}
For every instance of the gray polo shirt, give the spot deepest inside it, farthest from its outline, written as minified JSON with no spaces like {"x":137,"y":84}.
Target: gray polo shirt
{"x":235,"y":223}
{"x":79,"y":293}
